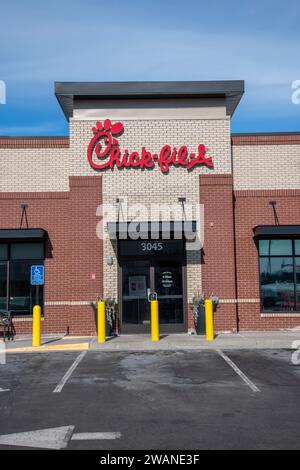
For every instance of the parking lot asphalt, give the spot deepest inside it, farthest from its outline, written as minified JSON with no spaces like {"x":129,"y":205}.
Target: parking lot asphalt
{"x":153,"y":400}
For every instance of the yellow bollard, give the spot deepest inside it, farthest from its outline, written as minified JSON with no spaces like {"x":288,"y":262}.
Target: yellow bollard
{"x":154,"y":320}
{"x":101,"y":322}
{"x":36,"y":326}
{"x":209,"y":320}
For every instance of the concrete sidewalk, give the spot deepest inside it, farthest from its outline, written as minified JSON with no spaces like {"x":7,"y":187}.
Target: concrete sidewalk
{"x":245,"y":340}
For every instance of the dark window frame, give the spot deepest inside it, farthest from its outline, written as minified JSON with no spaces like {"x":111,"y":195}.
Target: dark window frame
{"x":293,"y":255}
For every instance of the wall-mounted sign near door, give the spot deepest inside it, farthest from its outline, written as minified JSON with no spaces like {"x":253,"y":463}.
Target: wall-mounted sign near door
{"x":151,"y":247}
{"x":167,"y":279}
{"x":104,"y":152}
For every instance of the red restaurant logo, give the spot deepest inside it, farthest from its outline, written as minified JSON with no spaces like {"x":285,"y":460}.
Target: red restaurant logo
{"x":105,"y":146}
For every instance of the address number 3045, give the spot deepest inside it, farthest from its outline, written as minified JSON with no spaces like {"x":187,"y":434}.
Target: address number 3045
{"x":156,"y":246}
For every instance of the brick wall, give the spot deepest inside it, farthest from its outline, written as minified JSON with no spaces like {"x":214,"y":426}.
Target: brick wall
{"x":64,"y":192}
{"x":252,"y":208}
{"x":265,"y":167}
{"x":74,"y":266}
{"x":34,"y":165}
{"x":266,"y":164}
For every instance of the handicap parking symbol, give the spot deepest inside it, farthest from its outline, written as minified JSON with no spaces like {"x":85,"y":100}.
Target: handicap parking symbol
{"x":37,"y":275}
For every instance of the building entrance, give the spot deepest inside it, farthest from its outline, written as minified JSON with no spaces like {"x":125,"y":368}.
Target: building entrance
{"x":158,"y":266}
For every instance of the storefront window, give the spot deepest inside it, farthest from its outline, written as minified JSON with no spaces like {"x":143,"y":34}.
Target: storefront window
{"x":275,"y":247}
{"x":16,"y":292}
{"x":27,"y":251}
{"x":297,"y":267}
{"x":279,"y":275}
{"x":3,"y":251}
{"x":3,"y":285}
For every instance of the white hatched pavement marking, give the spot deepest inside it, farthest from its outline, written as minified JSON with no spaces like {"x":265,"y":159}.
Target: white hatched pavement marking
{"x":68,"y":374}
{"x":238,"y":371}
{"x":53,"y":438}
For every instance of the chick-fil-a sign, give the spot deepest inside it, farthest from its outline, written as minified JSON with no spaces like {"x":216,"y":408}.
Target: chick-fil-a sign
{"x":104,"y":152}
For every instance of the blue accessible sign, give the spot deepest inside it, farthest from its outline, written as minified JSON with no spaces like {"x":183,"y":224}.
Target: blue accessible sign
{"x":37,"y":275}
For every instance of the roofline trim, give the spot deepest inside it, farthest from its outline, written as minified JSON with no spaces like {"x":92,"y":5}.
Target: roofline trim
{"x":261,"y":231}
{"x":262,"y":134}
{"x":11,"y":142}
{"x":67,"y":92}
{"x":279,"y":138}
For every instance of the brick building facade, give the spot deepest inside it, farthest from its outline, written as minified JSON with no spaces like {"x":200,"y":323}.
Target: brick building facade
{"x":231,"y":241}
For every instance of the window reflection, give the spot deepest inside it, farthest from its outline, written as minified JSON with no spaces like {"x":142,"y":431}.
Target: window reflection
{"x":3,"y":286}
{"x":3,"y":251}
{"x":277,"y":284}
{"x":297,"y":267}
{"x":275,"y":247}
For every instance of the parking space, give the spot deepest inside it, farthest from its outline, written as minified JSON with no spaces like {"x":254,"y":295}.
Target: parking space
{"x":148,"y":400}
{"x":269,"y":369}
{"x":34,"y":371}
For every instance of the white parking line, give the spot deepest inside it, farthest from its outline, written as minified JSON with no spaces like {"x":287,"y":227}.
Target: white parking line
{"x":241,"y":374}
{"x":4,"y":390}
{"x":68,"y":374}
{"x":95,"y":436}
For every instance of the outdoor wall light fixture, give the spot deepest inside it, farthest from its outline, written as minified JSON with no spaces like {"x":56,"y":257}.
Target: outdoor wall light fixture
{"x":119,"y":201}
{"x":109,"y":260}
{"x":181,"y":201}
{"x":273,"y":204}
{"x":24,"y":207}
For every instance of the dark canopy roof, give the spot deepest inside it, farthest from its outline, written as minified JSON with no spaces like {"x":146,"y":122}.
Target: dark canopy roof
{"x":66,"y":92}
{"x":120,"y":229}
{"x":277,"y":231}
{"x":22,"y":234}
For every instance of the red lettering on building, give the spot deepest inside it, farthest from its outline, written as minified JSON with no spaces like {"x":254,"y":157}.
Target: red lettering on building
{"x":104,"y":148}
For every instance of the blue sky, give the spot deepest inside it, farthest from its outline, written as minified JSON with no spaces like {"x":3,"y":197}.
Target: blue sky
{"x":95,"y":40}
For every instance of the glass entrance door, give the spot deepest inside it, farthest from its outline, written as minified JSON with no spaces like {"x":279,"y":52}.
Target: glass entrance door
{"x":161,"y":272}
{"x":169,"y":288}
{"x":135,"y":306}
